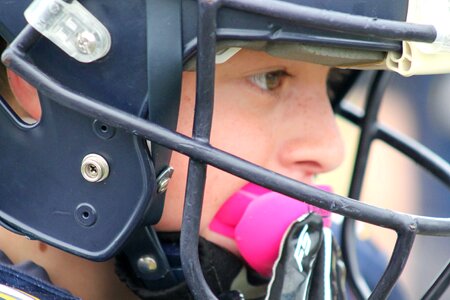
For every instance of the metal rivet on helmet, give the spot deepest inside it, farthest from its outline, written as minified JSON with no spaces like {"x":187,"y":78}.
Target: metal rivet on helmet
{"x":94,"y":168}
{"x":147,"y":264}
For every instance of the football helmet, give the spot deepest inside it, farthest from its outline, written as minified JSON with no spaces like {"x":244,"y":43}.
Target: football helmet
{"x":108,"y":74}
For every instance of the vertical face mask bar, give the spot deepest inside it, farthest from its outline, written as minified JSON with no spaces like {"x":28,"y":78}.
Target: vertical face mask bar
{"x":439,"y":286}
{"x":373,"y":102}
{"x":14,"y":58}
{"x":206,"y":28}
{"x":357,"y":282}
{"x":397,"y":262}
{"x":199,"y":150}
{"x":371,"y":130}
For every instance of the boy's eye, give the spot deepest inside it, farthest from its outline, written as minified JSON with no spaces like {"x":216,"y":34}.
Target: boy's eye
{"x":270,"y":80}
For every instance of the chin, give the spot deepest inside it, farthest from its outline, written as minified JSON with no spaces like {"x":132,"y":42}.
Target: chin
{"x":220,"y":240}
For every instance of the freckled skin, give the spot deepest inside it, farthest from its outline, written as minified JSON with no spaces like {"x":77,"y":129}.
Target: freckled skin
{"x":42,"y":247}
{"x":290,"y":130}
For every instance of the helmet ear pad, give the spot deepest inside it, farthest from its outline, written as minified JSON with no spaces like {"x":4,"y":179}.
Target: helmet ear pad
{"x":44,"y":194}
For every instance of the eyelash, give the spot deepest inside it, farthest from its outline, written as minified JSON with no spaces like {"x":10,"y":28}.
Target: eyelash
{"x":262,"y":81}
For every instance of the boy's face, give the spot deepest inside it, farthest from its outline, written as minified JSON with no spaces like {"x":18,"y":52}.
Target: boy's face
{"x":270,"y":111}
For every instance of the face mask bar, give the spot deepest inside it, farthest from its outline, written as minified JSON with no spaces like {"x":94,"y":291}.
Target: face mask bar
{"x":370,"y":131}
{"x":202,"y":154}
{"x":336,"y":21}
{"x":373,"y":102}
{"x":204,"y":113}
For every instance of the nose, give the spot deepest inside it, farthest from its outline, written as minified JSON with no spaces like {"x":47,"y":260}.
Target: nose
{"x":309,"y":141}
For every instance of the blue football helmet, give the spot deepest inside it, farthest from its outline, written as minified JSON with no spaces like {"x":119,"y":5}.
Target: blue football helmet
{"x":108,"y":74}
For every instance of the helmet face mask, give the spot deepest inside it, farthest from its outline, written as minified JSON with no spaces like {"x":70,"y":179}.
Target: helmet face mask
{"x":102,"y":116}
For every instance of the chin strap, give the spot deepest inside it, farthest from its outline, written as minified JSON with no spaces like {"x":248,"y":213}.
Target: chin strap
{"x":309,"y":266}
{"x":143,"y":254}
{"x":219,"y":266}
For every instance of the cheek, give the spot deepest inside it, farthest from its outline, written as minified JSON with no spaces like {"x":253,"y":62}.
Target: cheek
{"x":241,"y":121}
{"x":237,"y":129}
{"x":242,"y":132}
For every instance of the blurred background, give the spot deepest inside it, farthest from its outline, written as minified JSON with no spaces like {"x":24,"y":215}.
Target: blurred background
{"x":418,"y":107}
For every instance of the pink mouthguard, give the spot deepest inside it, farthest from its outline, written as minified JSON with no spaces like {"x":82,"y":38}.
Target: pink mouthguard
{"x":257,"y":218}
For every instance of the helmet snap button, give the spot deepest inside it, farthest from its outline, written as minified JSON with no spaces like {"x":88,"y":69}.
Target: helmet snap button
{"x":147,"y":264}
{"x":94,"y":168}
